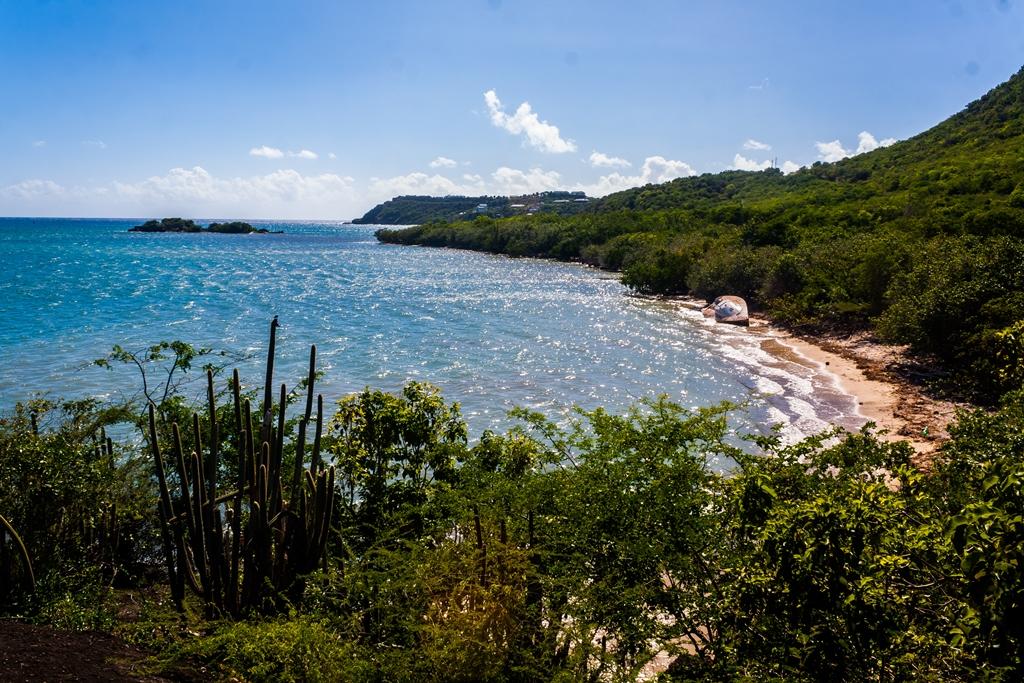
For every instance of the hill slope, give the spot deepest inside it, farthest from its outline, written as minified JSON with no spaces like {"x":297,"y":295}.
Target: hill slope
{"x":973,"y":154}
{"x":415,"y":209}
{"x":921,"y":240}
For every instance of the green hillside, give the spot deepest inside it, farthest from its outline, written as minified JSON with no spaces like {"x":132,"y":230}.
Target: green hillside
{"x":416,"y":209}
{"x":921,"y":240}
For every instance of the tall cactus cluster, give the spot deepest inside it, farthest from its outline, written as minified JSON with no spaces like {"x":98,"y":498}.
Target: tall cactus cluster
{"x":244,"y":545}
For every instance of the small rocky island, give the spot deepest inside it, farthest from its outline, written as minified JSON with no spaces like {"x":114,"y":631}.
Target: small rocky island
{"x":187,"y":225}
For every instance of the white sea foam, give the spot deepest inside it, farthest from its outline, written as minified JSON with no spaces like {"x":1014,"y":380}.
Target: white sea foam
{"x":805,"y":397}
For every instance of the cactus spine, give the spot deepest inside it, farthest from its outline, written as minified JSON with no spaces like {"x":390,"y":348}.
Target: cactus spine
{"x":242,"y":549}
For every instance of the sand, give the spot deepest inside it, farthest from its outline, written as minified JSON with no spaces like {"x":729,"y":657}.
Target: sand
{"x":889,"y":384}
{"x":876,"y":375}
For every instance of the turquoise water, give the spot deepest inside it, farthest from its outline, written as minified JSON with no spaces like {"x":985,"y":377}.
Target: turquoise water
{"x":492,"y":332}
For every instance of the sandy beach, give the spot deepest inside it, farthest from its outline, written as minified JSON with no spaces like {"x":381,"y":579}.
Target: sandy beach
{"x":877,"y":375}
{"x":870,"y":371}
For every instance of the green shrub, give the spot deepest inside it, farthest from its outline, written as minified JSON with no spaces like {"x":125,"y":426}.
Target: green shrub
{"x":732,"y":269}
{"x":1017,"y":197}
{"x":75,"y":599}
{"x":75,"y":499}
{"x":958,"y":292}
{"x":293,"y":650}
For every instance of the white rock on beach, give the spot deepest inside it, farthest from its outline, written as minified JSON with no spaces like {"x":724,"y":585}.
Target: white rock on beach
{"x":728,"y":309}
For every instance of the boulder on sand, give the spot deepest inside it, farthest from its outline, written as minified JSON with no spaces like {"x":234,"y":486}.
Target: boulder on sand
{"x":728,"y":309}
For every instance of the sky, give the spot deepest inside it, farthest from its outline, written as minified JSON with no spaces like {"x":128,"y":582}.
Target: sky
{"x":319,"y":110}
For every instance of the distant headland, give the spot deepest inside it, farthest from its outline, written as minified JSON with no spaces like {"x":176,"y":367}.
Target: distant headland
{"x":185,"y":225}
{"x":415,"y":210}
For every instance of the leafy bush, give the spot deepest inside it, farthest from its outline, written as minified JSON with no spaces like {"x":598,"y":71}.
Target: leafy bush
{"x":958,"y":293}
{"x":731,"y":269}
{"x":592,"y":548}
{"x":289,"y":650}
{"x":75,"y":500}
{"x":77,"y":598}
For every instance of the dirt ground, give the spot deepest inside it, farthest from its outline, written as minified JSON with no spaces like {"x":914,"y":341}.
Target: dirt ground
{"x":37,"y":653}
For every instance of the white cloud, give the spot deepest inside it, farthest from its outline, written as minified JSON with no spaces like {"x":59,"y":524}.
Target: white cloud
{"x":98,"y":144}
{"x":266,"y":152}
{"x":540,"y":134}
{"x":512,"y":181}
{"x":417,"y":183}
{"x":443,"y":162}
{"x":332,"y":155}
{"x":599,"y":160}
{"x":656,"y":169}
{"x":275,"y":153}
{"x":751,"y":143}
{"x":196,"y":184}
{"x":39,"y":143}
{"x":741,"y":163}
{"x":866,"y":142}
{"x":503,"y":181}
{"x":32,"y":189}
{"x":831,"y":151}
{"x":192,"y":191}
{"x":285,"y":193}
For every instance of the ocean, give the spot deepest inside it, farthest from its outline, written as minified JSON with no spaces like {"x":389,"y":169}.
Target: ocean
{"x":490,"y":331}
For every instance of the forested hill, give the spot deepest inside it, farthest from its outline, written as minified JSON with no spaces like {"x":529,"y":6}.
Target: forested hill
{"x":414,"y":209}
{"x":976,"y":152}
{"x":922,"y":240}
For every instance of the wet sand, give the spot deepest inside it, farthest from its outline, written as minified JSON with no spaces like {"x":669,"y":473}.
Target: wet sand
{"x":866,"y":369}
{"x":875,"y":374}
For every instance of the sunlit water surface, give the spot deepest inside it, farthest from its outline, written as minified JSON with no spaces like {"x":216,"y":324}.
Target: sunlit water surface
{"x":492,"y":332}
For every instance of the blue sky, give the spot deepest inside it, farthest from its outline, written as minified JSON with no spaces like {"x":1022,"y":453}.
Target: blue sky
{"x":322,"y":109}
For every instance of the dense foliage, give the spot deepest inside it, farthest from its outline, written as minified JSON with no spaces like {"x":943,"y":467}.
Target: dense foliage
{"x":188,"y":225}
{"x":610,"y":547}
{"x":416,"y":209}
{"x":922,"y":240}
{"x":168,"y":225}
{"x":81,"y":505}
{"x":234,"y":228}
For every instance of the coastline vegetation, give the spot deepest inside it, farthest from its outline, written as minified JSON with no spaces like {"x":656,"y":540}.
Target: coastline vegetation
{"x":595,"y":550}
{"x":416,"y":209}
{"x":920,"y":241}
{"x":188,"y":225}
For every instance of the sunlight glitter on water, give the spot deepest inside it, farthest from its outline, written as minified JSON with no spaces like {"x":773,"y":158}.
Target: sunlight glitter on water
{"x":492,"y":332}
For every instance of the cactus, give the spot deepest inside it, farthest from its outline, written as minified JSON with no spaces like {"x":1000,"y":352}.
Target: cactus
{"x":242,"y":549}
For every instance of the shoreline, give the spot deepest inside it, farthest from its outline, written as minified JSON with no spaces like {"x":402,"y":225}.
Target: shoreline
{"x":864,"y":368}
{"x":861,"y":366}
{"x":867,"y":370}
